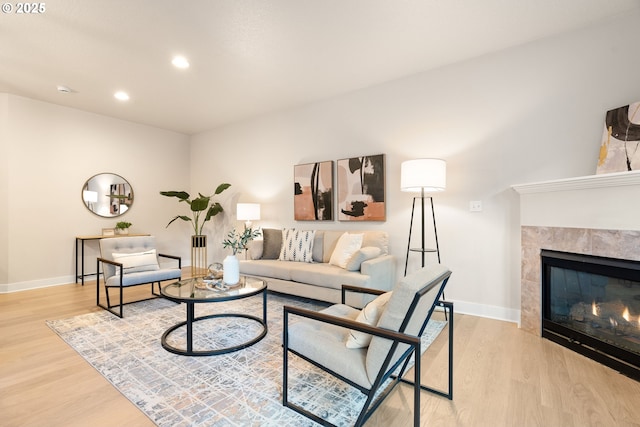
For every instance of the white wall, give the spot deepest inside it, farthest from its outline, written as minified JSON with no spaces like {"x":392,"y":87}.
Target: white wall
{"x":50,"y":152}
{"x":526,"y":114}
{"x":4,"y":188}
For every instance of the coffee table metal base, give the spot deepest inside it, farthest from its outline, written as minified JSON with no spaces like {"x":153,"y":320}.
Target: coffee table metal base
{"x":189,"y":323}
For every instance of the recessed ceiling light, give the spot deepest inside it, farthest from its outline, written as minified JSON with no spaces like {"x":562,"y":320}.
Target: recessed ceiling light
{"x":180,"y":62}
{"x":64,"y":89}
{"x":121,"y":96}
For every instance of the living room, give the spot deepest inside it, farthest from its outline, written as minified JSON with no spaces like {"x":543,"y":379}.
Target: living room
{"x":521,"y":114}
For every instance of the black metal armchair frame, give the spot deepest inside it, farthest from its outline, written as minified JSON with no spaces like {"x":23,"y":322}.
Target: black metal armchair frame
{"x":387,"y":370}
{"x":109,"y":307}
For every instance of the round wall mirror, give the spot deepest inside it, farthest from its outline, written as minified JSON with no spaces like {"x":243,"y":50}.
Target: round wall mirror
{"x":107,"y":195}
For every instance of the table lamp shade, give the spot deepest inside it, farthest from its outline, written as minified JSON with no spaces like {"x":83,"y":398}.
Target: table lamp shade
{"x":423,"y":174}
{"x":248,"y":211}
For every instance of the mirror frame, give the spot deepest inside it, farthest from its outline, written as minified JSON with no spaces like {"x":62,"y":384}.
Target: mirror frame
{"x":113,"y":186}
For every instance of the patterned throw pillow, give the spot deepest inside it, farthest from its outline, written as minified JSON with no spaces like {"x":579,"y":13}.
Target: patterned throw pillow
{"x":297,"y":245}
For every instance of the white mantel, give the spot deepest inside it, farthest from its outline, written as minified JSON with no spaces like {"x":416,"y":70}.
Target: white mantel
{"x":607,"y":201}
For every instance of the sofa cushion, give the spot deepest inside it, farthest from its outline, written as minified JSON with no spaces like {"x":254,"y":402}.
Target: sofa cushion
{"x":347,"y":245}
{"x":362,"y":255}
{"x":379,"y":239}
{"x":272,"y":243}
{"x":318,"y":246}
{"x":297,"y":245}
{"x":326,"y":275}
{"x":267,"y":268}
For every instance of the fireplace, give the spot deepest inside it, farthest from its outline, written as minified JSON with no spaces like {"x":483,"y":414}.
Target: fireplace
{"x":591,"y":304}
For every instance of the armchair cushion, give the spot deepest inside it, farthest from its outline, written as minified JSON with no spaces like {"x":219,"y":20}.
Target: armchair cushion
{"x":324,"y":343}
{"x":137,"y":261}
{"x":369,"y":315}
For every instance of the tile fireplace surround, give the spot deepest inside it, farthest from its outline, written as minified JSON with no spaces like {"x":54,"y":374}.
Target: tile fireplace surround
{"x":593,"y":215}
{"x":624,"y":244}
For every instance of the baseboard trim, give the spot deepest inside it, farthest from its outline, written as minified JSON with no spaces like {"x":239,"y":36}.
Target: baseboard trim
{"x":488,"y":311}
{"x":6,"y":288}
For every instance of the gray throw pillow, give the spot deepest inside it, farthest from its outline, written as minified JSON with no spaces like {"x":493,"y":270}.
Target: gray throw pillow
{"x":272,"y":243}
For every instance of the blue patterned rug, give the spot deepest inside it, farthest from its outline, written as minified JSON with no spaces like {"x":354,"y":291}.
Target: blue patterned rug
{"x":243,"y":388}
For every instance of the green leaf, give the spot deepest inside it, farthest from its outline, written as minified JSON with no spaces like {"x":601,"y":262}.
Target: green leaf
{"x":214,"y":210}
{"x":200,"y":204}
{"x":182,"y":217}
{"x":182,"y":195}
{"x":222,"y":187}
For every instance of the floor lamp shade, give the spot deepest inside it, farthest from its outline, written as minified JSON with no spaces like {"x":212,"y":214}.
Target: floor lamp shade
{"x":423,"y":174}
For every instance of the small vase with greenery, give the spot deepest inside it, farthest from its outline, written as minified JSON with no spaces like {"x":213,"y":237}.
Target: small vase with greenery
{"x":122,"y":227}
{"x":238,"y":241}
{"x":202,"y":207}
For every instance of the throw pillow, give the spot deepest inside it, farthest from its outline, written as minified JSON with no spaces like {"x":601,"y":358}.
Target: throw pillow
{"x":137,"y":261}
{"x":272,"y":243}
{"x":297,"y":245}
{"x":347,"y":245}
{"x":362,"y":255}
{"x":369,"y":315}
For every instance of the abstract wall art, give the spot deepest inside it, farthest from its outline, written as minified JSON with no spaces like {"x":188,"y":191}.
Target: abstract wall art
{"x":361,"y":189}
{"x":313,"y":191}
{"x":620,"y":148}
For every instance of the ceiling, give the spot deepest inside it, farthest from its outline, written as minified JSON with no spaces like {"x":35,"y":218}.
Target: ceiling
{"x":250,"y":57}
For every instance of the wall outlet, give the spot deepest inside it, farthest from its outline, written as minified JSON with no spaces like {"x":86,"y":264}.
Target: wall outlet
{"x":475,"y":206}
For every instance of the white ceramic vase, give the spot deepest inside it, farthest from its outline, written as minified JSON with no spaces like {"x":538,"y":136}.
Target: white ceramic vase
{"x":231,"y":270}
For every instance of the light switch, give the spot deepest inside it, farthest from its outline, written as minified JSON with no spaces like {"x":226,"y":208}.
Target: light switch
{"x":475,"y":206}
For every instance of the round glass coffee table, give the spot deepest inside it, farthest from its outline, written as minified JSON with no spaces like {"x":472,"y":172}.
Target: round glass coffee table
{"x":196,"y":290}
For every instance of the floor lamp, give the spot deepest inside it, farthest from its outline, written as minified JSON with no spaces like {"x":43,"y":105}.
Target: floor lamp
{"x":423,"y":175}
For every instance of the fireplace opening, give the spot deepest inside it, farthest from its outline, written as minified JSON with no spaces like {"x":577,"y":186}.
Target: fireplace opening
{"x":591,"y":305}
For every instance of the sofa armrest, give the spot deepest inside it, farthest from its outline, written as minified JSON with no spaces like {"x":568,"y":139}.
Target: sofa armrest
{"x":382,"y":271}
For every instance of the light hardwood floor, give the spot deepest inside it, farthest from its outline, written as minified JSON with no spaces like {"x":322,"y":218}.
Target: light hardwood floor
{"x":502,"y":376}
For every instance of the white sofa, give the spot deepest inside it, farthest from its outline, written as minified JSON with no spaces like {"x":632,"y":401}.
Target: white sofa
{"x":320,"y":279}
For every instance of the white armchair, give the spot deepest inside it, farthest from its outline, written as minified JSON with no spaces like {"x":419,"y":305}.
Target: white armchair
{"x":131,"y":261}
{"x":366,"y":355}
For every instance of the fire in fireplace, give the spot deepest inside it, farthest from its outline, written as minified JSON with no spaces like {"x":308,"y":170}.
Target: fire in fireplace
{"x":591,"y":305}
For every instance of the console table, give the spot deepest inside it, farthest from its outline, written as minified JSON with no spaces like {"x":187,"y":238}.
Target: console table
{"x":80,"y":240}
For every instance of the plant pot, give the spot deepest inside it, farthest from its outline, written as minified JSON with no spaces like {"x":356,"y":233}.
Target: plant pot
{"x":122,"y":231}
{"x":231,"y":270}
{"x":198,"y":255}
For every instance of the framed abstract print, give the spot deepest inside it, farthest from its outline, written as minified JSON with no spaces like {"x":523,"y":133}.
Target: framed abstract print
{"x":313,"y":192}
{"x":361,"y":189}
{"x":620,"y":147}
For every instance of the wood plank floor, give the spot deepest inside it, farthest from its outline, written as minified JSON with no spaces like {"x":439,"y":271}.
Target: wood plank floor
{"x":502,"y":376}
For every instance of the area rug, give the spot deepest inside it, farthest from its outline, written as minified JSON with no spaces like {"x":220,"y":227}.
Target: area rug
{"x":243,"y":388}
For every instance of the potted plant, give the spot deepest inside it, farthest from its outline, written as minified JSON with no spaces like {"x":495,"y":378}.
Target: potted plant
{"x":203,"y":208}
{"x":198,"y":207}
{"x":122,"y":227}
{"x":237,"y":242}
